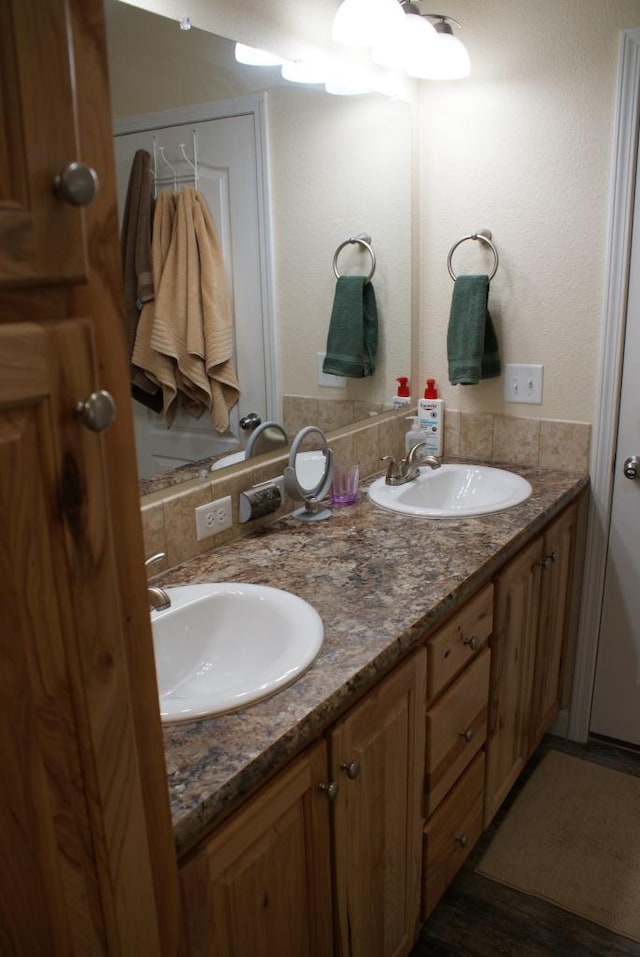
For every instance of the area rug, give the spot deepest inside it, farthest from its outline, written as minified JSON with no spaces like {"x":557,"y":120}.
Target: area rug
{"x":572,"y":838}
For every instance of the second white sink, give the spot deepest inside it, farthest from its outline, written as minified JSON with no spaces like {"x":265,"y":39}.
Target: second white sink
{"x":453,"y":491}
{"x":224,"y":645}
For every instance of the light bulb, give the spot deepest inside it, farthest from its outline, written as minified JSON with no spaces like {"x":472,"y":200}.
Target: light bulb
{"x":303,"y":71}
{"x":360,"y":23}
{"x":410,"y":40}
{"x":253,"y":56}
{"x":447,"y":60}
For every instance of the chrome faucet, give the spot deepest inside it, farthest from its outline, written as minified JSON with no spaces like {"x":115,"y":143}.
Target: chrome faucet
{"x":158,"y":597}
{"x":406,"y":470}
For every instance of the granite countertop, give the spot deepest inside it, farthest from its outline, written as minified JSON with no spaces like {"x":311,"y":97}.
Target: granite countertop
{"x":380,"y":582}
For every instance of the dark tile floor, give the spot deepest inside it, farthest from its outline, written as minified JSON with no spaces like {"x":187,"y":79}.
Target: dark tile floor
{"x":479,"y":918}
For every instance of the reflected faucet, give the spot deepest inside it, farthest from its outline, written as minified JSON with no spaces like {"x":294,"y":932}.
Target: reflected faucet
{"x":158,"y":597}
{"x":406,"y":470}
{"x":260,"y":431}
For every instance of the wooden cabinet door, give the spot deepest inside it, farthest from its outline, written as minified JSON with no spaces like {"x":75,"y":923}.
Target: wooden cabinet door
{"x":38,"y":138}
{"x":89,"y":855}
{"x":378,"y":816}
{"x":261,"y":885}
{"x":552,"y":629}
{"x":515,"y":627}
{"x":72,"y":825}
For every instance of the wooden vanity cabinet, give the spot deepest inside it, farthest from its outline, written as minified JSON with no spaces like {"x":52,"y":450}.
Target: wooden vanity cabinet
{"x":527,"y":646}
{"x":456,"y":723}
{"x":377,"y":755}
{"x":317,"y":863}
{"x":261,"y":884}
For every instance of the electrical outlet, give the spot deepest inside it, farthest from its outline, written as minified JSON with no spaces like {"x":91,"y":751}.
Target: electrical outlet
{"x":213,"y":518}
{"x":523,"y":383}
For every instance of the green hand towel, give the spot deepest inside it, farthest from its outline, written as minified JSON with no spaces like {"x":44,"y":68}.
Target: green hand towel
{"x":472,"y":345}
{"x":352,"y":341}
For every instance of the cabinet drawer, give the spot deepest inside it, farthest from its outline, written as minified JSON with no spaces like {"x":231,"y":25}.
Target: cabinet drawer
{"x":451,"y":833}
{"x":456,"y":729}
{"x":458,"y":641}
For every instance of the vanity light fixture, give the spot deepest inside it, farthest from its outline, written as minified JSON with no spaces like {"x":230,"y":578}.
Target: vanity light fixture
{"x":422,"y":44}
{"x":445,"y":59}
{"x":253,"y":56}
{"x":360,"y":23}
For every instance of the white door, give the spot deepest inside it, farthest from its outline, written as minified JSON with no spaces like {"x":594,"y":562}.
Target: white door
{"x":231,"y":177}
{"x":616,"y":699}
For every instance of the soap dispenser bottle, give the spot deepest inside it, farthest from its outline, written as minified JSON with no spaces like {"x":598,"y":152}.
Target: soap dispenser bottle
{"x":431,"y":418}
{"x":403,"y":396}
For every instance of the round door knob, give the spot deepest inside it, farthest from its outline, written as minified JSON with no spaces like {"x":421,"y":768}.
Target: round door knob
{"x":631,"y":466}
{"x":331,"y":790}
{"x":77,"y":184}
{"x":351,"y":769}
{"x":97,"y":412}
{"x":250,"y":421}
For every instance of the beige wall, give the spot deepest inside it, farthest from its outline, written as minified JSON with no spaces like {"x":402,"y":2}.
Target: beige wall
{"x":523,"y":147}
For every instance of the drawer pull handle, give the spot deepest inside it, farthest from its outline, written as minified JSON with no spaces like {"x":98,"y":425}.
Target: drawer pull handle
{"x":462,"y":840}
{"x":472,"y":642}
{"x":468,"y":735}
{"x":330,"y":790}
{"x":351,"y":769}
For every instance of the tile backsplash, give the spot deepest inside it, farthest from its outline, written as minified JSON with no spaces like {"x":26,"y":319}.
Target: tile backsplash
{"x":168,"y":515}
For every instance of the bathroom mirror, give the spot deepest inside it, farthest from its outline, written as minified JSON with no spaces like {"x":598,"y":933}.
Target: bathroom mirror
{"x":339,"y":167}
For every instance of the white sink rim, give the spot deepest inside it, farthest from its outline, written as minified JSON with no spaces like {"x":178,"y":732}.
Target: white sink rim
{"x":457,"y":490}
{"x":283,"y":635}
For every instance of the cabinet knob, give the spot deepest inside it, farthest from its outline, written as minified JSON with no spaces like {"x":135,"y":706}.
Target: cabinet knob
{"x":77,"y":184}
{"x":472,"y":642}
{"x":351,"y":769}
{"x":462,"y":839}
{"x":98,"y":411}
{"x":468,"y":734}
{"x":545,"y":562}
{"x":330,"y":790}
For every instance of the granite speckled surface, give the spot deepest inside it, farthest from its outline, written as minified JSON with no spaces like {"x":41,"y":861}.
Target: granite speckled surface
{"x":381,"y":582}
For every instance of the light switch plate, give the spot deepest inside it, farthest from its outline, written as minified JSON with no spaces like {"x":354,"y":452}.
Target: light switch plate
{"x":328,"y":380}
{"x":523,"y":383}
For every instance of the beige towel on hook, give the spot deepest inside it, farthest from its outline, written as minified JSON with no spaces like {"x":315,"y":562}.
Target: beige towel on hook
{"x":192,"y":323}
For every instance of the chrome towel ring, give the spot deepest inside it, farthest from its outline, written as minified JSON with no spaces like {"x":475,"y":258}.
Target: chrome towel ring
{"x":365,"y":242}
{"x":484,"y":236}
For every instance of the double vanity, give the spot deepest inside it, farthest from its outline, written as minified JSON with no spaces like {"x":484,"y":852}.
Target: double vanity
{"x":331,"y":816}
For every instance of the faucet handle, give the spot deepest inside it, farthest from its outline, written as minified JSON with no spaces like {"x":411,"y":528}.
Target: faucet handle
{"x":154,"y":559}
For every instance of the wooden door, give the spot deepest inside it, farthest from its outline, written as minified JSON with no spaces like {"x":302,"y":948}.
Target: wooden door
{"x":517,"y":601}
{"x":261,"y":885}
{"x":378,"y":815}
{"x":90,"y":862}
{"x":39,"y":138}
{"x":552,"y":630}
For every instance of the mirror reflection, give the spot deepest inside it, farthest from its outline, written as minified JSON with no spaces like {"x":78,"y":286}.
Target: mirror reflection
{"x":334,"y":168}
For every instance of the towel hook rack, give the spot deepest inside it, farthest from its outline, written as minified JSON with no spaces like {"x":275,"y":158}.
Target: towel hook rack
{"x":483,"y":236}
{"x":174,"y":177}
{"x":361,"y":240}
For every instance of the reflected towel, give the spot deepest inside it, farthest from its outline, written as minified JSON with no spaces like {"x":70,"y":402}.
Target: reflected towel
{"x":352,"y":341}
{"x":137,"y":267}
{"x":472,"y":345}
{"x":192,"y":328}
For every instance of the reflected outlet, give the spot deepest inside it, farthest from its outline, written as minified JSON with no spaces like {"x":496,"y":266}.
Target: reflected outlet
{"x":213,"y":518}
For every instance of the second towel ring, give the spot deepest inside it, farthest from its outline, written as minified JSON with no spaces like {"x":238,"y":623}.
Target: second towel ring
{"x":483,"y":239}
{"x":351,"y":242}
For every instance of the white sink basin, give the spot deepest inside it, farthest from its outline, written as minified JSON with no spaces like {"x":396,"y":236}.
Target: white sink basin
{"x":222,"y":646}
{"x":453,"y":491}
